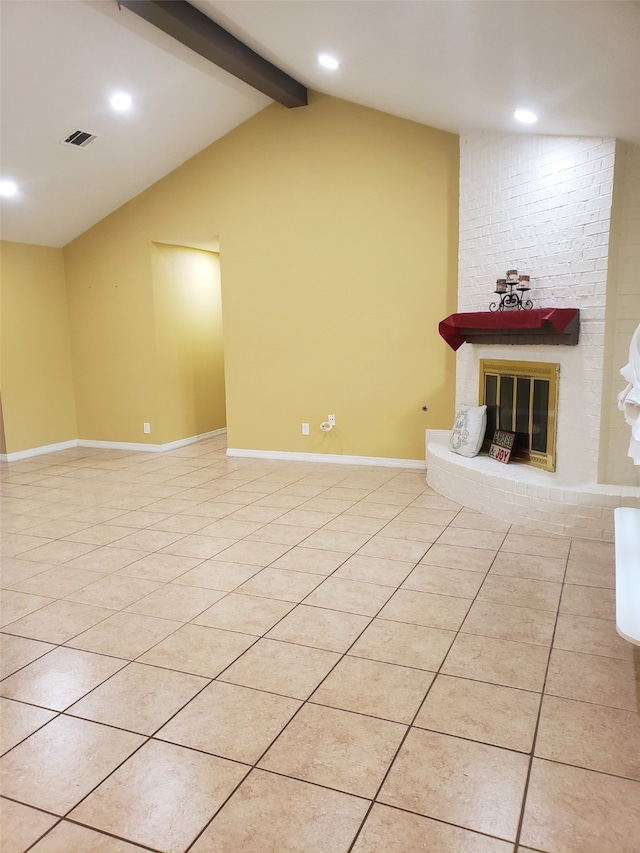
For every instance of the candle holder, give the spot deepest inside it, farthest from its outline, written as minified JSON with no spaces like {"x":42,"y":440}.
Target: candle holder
{"x":511,"y":291}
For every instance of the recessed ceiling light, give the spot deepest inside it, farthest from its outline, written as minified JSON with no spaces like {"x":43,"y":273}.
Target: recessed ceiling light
{"x":8,"y":188}
{"x":121,"y":102}
{"x":328,"y":61}
{"x":525,"y":116}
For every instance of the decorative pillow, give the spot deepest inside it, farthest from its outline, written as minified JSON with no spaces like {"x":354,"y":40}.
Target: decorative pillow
{"x":468,"y":430}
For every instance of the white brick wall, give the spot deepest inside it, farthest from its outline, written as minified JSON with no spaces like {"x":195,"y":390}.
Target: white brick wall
{"x":541,"y":205}
{"x":522,"y":495}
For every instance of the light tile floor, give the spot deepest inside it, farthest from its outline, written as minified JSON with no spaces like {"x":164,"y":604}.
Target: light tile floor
{"x":212,"y":654}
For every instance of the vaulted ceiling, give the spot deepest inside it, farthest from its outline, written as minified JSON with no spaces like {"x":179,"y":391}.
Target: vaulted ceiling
{"x":456,"y":65}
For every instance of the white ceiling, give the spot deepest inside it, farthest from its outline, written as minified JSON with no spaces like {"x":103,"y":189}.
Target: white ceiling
{"x":456,"y":65}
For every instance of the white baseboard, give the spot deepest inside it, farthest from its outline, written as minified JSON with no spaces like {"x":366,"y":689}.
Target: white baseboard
{"x":149,"y":448}
{"x":183,"y":442}
{"x":108,"y":445}
{"x":382,"y":461}
{"x":37,"y":451}
{"x":119,"y":445}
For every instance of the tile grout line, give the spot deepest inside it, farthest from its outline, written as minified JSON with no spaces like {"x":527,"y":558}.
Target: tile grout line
{"x":150,"y":737}
{"x":303,"y":704}
{"x":525,"y":791}
{"x":415,"y":716}
{"x":297,"y":604}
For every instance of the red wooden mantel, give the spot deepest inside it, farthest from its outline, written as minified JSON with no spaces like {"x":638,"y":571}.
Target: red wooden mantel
{"x":537,"y":326}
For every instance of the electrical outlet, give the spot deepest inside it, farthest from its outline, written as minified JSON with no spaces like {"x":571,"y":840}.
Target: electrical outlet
{"x":305,"y":429}
{"x":146,"y":428}
{"x":332,"y":420}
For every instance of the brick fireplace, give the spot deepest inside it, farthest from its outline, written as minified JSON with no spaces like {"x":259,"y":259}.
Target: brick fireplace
{"x":565,"y":211}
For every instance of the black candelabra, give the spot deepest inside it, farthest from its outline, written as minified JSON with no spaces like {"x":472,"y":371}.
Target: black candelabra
{"x":511,"y":291}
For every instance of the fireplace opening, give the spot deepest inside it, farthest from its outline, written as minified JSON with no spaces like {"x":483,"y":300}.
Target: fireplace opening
{"x":522,"y":397}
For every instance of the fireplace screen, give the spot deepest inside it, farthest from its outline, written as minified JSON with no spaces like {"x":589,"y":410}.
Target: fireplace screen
{"x":522,"y":397}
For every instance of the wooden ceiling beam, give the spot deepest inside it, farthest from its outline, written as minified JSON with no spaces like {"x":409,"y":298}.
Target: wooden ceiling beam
{"x":188,"y":25}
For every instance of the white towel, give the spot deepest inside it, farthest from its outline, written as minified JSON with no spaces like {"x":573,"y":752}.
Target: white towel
{"x":629,"y":399}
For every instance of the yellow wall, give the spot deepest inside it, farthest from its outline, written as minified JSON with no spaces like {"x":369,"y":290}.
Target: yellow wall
{"x":338,"y":241}
{"x":188,"y":316}
{"x":622,"y":316}
{"x":113,"y":339}
{"x":35,"y":375}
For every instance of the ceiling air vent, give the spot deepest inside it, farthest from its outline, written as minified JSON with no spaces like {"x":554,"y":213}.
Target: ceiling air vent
{"x":79,"y":139}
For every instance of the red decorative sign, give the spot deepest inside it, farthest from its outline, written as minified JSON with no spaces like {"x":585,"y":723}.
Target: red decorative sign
{"x":502,"y":445}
